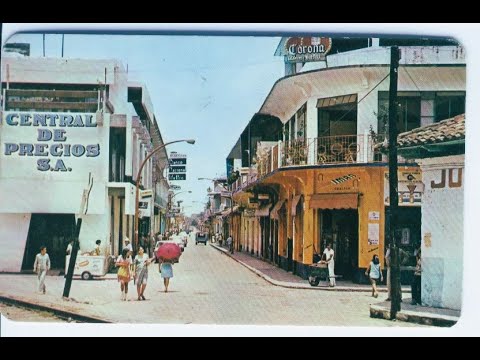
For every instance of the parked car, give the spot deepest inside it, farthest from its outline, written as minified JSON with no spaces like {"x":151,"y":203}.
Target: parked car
{"x":201,"y":238}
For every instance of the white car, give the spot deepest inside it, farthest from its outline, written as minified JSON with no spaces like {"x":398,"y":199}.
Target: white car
{"x":177,"y":239}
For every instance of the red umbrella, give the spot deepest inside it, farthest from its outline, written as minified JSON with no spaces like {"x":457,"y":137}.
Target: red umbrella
{"x":169,"y":251}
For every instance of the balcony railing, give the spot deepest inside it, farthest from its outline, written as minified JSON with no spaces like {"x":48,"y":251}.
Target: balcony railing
{"x":328,"y":150}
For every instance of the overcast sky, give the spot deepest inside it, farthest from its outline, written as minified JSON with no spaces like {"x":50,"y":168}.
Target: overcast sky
{"x":202,"y":87}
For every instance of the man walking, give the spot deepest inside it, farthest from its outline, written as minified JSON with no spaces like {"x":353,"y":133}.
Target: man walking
{"x":41,"y":266}
{"x":230,"y":244}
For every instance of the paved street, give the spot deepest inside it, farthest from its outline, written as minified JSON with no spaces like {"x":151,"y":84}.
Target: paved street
{"x":207,"y":288}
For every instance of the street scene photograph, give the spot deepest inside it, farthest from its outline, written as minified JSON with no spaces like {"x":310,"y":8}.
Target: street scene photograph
{"x":207,"y":179}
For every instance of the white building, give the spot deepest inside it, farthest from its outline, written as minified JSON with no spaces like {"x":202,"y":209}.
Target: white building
{"x":440,"y":151}
{"x":65,"y":124}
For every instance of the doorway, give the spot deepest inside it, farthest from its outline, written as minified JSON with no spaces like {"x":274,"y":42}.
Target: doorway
{"x":53,"y":231}
{"x":340,"y":228}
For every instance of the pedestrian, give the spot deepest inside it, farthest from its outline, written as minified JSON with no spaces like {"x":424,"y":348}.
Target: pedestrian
{"x":230,"y":244}
{"x":69,"y":248}
{"x":166,"y":269}
{"x":330,"y":260}
{"x":388,"y":262}
{"x":127,"y":244}
{"x":374,"y":271}
{"x":97,"y":251}
{"x":141,"y":271}
{"x":123,"y":263}
{"x":41,"y":266}
{"x":417,"y":281}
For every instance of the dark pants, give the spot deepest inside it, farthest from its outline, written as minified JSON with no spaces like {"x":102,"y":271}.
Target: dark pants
{"x":231,"y":248}
{"x":417,"y":290}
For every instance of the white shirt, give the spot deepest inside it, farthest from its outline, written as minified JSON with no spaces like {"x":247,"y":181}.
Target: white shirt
{"x":69,"y":249}
{"x":42,"y":263}
{"x":129,"y":247}
{"x":327,"y":254}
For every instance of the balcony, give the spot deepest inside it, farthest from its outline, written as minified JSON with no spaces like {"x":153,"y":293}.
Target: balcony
{"x":328,"y":150}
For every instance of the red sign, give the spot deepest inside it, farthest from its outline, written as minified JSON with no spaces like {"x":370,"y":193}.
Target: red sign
{"x":304,"y":49}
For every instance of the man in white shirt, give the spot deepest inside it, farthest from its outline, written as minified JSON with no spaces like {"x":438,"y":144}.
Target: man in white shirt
{"x":128,"y":245}
{"x":41,"y":266}
{"x":330,"y":260}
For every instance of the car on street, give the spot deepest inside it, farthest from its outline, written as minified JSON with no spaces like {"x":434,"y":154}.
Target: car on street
{"x":201,"y":238}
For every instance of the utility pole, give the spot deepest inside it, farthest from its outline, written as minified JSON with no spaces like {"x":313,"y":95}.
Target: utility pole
{"x":76,"y":244}
{"x":393,"y":183}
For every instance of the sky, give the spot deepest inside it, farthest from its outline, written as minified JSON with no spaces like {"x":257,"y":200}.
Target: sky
{"x":202,"y":87}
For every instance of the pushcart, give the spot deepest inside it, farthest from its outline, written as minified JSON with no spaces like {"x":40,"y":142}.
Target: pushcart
{"x":318,"y":272}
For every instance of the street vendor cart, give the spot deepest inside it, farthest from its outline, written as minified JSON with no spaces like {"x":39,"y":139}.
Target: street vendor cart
{"x":318,"y":272}
{"x":89,"y":266}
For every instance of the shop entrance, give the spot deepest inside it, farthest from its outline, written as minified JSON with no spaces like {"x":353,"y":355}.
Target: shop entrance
{"x":52,"y":230}
{"x":340,"y":228}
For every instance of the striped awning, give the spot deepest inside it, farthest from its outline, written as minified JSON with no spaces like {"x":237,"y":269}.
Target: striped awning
{"x":334,"y":201}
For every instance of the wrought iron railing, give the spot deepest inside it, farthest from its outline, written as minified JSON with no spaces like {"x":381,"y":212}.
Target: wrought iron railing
{"x":328,"y":150}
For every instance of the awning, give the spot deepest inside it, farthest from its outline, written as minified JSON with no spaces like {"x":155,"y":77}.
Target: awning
{"x":334,"y":201}
{"x":263,"y":211}
{"x":274,"y":212}
{"x":295,"y":201}
{"x":227,"y":212}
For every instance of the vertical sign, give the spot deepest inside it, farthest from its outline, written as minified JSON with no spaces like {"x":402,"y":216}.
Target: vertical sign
{"x":177,"y":169}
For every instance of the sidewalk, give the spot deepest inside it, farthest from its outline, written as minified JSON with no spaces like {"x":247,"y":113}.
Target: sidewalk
{"x":409,"y":313}
{"x":279,"y":277}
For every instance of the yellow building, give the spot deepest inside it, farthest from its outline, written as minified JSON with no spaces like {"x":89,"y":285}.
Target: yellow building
{"x":309,"y":169}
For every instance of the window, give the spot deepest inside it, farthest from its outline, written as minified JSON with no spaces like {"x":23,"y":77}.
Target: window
{"x":448,"y":105}
{"x":337,"y":115}
{"x":408,"y":113}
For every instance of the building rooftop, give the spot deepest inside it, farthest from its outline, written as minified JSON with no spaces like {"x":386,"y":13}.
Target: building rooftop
{"x":443,"y":131}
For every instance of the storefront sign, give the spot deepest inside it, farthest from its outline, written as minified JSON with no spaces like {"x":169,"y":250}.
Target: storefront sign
{"x":47,"y":159}
{"x":177,"y":170}
{"x":374,"y":215}
{"x":48,"y":138}
{"x":410,"y":188}
{"x":306,"y":49}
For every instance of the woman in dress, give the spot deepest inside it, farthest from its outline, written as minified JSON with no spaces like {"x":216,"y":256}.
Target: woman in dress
{"x":375,"y":273}
{"x":166,"y":269}
{"x":123,"y":263}
{"x":141,"y":271}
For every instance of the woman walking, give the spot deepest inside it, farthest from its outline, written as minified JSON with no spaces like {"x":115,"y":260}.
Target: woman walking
{"x":141,"y":271}
{"x":375,"y":273}
{"x":166,"y":269}
{"x":123,"y":263}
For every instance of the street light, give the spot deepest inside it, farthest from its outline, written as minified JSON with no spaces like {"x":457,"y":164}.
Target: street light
{"x":137,"y":192}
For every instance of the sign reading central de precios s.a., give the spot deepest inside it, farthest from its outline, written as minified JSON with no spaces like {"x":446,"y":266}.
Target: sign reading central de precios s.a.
{"x":45,"y":138}
{"x":177,"y":169}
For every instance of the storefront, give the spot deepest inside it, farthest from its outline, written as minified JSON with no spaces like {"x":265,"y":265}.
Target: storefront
{"x":341,"y":205}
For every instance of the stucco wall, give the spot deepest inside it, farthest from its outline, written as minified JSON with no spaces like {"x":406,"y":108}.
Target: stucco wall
{"x":13,"y":238}
{"x":442,"y":231}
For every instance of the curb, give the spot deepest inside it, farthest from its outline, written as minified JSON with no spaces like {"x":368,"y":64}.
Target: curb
{"x":59,"y":313}
{"x":290,"y":285}
{"x":438,"y":320}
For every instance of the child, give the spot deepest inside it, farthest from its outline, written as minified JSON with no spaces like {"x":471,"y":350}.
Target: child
{"x":123,"y":263}
{"x":41,"y":266}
